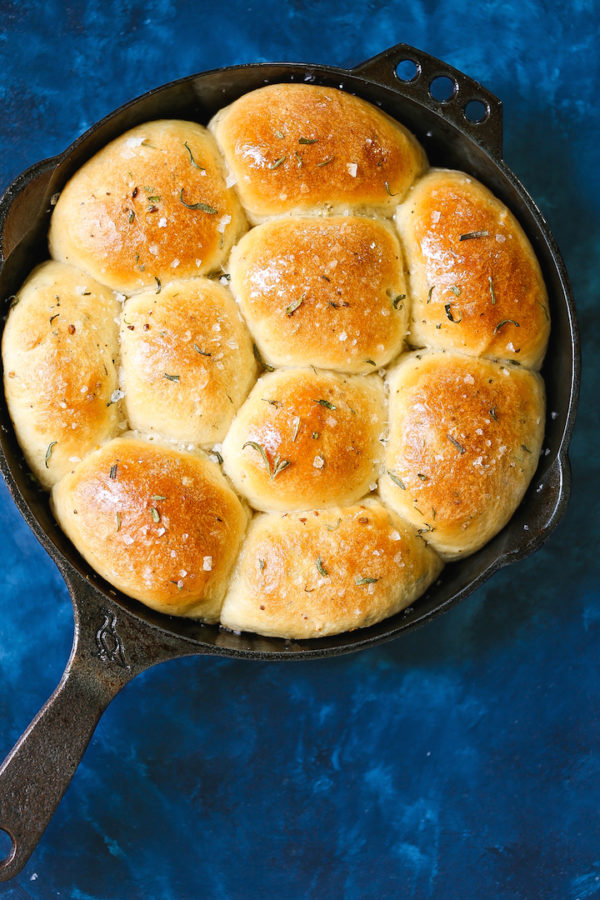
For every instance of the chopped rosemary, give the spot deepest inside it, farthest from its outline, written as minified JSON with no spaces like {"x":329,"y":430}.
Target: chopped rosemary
{"x":155,"y":514}
{"x":154,"y":199}
{"x":49,"y":450}
{"x":316,"y":435}
{"x":398,"y":300}
{"x":192,"y":160}
{"x":277,"y":163}
{"x":365,"y":580}
{"x":131,"y":216}
{"x":296,"y":427}
{"x":492,"y":291}
{"x":526,"y":449}
{"x":203,"y":207}
{"x":473,"y":234}
{"x":278,"y":464}
{"x":158,"y":497}
{"x":493,"y":413}
{"x":52,"y":318}
{"x":397,"y":480}
{"x":458,"y":446}
{"x":201,"y":352}
{"x":371,"y":362}
{"x":387,"y":188}
{"x":260,"y":360}
{"x":325,"y":162}
{"x":448,"y":308}
{"x":422,"y":476}
{"x":261,"y":564}
{"x":279,"y":134}
{"x":455,"y":290}
{"x":304,"y":140}
{"x":326,"y":403}
{"x":294,"y":305}
{"x":321,"y":568}
{"x":219,"y":457}
{"x":118,"y":520}
{"x":113,"y":471}
{"x":298,"y":157}
{"x":171,"y":377}
{"x":431,"y":289}
{"x":545,"y":308}
{"x":158,"y":284}
{"x":333,"y":527}
{"x":505,"y":322}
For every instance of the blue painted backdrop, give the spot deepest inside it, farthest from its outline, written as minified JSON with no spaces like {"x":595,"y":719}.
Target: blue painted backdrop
{"x":461,"y":761}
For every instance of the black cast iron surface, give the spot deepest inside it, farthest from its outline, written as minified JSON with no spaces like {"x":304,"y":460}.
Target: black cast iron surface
{"x":116,"y":638}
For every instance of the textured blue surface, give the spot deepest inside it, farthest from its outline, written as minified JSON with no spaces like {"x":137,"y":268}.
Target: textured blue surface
{"x":461,"y":761}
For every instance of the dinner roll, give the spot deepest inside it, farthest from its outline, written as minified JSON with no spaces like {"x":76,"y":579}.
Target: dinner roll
{"x":465,"y":438}
{"x":187,"y":360}
{"x":328,"y":290}
{"x":475,"y":282}
{"x":161,"y":525}
{"x":59,"y":348}
{"x":307,"y":438}
{"x":151,"y":206}
{"x":310,"y":574}
{"x":298,"y":147}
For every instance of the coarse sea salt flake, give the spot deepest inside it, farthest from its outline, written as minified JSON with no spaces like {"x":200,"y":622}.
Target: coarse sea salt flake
{"x":162,"y":222}
{"x":230,"y":181}
{"x":352,"y":169}
{"x":175,"y":263}
{"x":207,"y":563}
{"x":223,"y":222}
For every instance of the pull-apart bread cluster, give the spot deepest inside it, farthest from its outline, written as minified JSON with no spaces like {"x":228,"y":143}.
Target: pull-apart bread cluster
{"x":278,"y":370}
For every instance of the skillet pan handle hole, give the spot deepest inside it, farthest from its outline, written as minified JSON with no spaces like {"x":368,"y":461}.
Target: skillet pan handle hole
{"x":476,"y":111}
{"x":7,"y":847}
{"x":408,"y":70}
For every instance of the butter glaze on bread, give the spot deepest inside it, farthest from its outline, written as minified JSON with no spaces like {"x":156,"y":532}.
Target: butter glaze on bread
{"x":296,"y":148}
{"x":152,"y":204}
{"x":159,"y":524}
{"x":187,"y":361}
{"x":475,"y":282}
{"x":328,"y":290}
{"x":465,"y":439}
{"x":59,"y":348}
{"x":311,"y":574}
{"x":307,"y":438}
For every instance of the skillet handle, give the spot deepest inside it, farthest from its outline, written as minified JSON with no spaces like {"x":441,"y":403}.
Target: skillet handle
{"x":110,"y":647}
{"x":471,"y":108}
{"x":23,"y":203}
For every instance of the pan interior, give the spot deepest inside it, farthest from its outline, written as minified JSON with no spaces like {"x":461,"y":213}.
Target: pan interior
{"x":197,"y":98}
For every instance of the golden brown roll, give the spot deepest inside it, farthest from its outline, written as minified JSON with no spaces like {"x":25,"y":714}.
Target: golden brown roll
{"x":464,"y":443}
{"x":296,"y":147}
{"x":187,"y":360}
{"x":150,"y":207}
{"x":161,"y":525}
{"x":328,"y":290}
{"x":59,"y":348}
{"x":475,"y":282}
{"x":307,"y":438}
{"x":310,"y":574}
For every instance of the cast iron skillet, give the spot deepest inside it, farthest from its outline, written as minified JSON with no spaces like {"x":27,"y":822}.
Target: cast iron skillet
{"x":115,"y":637}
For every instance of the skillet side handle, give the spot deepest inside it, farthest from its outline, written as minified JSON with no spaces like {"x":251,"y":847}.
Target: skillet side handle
{"x":471,"y":107}
{"x":110,"y":648}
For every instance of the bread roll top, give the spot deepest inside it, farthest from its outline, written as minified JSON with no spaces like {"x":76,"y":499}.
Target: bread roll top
{"x":307,"y":438}
{"x":465,"y":439}
{"x":326,"y":290}
{"x":159,"y":524}
{"x":310,"y":574}
{"x":187,"y":360}
{"x":475,"y":282}
{"x":59,"y":349}
{"x":149,"y":207}
{"x":297,"y":147}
